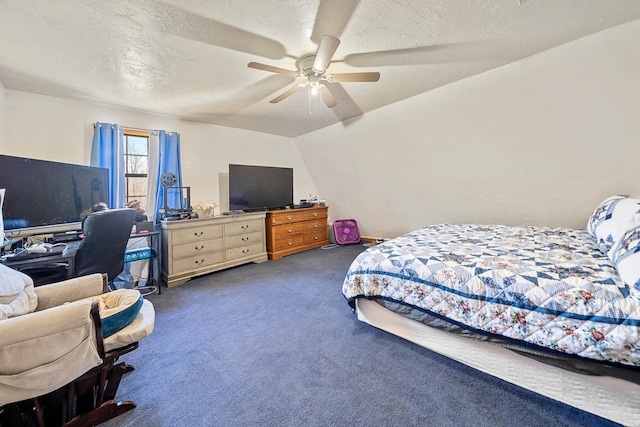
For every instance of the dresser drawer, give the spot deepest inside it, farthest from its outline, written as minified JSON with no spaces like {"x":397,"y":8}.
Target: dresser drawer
{"x":313,"y":214}
{"x":196,"y":233}
{"x":281,"y":231}
{"x":315,"y":236}
{"x":194,"y":248}
{"x":286,"y":217}
{"x":320,"y":224}
{"x":244,"y":251}
{"x":195,"y":262}
{"x":244,"y":239}
{"x":288,"y":242}
{"x":244,"y":227}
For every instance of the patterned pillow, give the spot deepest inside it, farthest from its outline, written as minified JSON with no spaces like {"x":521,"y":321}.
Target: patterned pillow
{"x":611,"y":219}
{"x":118,"y":309}
{"x":625,"y":254}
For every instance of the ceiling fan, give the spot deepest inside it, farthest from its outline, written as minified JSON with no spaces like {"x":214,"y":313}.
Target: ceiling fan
{"x":313,"y":68}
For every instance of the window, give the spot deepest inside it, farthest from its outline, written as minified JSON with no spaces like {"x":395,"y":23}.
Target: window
{"x":136,"y":156}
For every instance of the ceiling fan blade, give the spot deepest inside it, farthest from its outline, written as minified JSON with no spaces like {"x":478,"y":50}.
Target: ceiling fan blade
{"x":272,"y":69}
{"x":287,"y":93}
{"x":327,"y":48}
{"x":327,"y":97}
{"x":332,"y":18}
{"x":172,"y":20}
{"x":354,"y":77}
{"x":445,"y":53}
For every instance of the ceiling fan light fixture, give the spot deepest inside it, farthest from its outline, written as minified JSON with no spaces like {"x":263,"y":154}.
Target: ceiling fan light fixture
{"x":313,"y":68}
{"x":315,"y":88}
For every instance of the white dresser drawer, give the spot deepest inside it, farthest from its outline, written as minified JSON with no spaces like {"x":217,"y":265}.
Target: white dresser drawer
{"x":196,"y":247}
{"x":196,"y":262}
{"x":243,"y":227}
{"x":243,"y":239}
{"x":191,"y":234}
{"x":244,"y":251}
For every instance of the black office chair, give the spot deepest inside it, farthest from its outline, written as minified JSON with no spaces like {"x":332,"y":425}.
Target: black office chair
{"x":101,"y":250}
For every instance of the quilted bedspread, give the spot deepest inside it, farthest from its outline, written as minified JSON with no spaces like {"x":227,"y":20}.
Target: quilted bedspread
{"x":548,"y":288}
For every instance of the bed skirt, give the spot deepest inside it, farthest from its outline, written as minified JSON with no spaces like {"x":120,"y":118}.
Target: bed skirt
{"x":605,"y":396}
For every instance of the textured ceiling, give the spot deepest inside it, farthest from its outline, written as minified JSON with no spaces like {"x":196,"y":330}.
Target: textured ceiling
{"x":188,"y":58}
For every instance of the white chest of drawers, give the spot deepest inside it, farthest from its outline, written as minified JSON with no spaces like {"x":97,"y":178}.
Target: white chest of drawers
{"x":193,"y":247}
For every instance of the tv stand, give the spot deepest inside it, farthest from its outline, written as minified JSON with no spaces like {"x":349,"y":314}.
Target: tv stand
{"x":295,"y":230}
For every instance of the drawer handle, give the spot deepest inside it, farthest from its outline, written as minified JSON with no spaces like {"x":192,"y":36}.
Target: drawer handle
{"x":245,"y":251}
{"x":290,"y":230}
{"x":290,"y":243}
{"x":199,"y":248}
{"x":289,"y":217}
{"x":315,"y":237}
{"x":315,"y":214}
{"x":200,"y":262}
{"x":244,"y":227}
{"x":315,"y":225}
{"x":198,"y":233}
{"x":245,"y":239}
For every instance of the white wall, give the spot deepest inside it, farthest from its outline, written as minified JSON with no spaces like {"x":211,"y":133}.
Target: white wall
{"x":51,"y":128}
{"x":538,"y":142}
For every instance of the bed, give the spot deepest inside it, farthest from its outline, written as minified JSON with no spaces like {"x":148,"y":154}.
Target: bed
{"x":553,"y":310}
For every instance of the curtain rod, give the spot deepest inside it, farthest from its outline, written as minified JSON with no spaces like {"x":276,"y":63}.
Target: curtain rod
{"x":130,"y":128}
{"x":136,"y":129}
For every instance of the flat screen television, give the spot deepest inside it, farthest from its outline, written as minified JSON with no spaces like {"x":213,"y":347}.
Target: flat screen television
{"x":256,"y":188}
{"x":42,"y":193}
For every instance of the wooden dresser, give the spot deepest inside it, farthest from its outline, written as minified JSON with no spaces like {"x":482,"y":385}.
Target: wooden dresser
{"x":295,"y":230}
{"x":192,"y":247}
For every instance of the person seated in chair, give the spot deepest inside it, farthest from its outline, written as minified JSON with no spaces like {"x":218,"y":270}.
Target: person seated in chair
{"x":102,"y":206}
{"x":98,"y":207}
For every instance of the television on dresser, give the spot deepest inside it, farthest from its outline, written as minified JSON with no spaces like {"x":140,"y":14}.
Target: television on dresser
{"x":41,"y":193}
{"x":259,"y":188}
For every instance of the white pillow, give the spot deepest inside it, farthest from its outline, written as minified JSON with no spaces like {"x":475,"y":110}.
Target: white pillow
{"x":625,"y":254}
{"x":17,"y":295}
{"x":611,"y":219}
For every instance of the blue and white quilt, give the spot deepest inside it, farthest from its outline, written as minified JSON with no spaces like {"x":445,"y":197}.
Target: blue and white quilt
{"x":549,"y":288}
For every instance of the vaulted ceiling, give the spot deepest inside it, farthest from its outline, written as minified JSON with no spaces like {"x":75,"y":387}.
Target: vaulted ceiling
{"x":188,"y":58}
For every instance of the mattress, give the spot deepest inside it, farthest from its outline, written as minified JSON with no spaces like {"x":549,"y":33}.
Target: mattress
{"x":546,"y":289}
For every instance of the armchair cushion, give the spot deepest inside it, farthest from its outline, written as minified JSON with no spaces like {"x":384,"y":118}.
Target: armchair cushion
{"x":56,"y":294}
{"x":17,"y":295}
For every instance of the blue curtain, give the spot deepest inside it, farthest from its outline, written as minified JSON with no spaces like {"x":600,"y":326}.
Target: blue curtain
{"x":108,"y":152}
{"x":168,"y":161}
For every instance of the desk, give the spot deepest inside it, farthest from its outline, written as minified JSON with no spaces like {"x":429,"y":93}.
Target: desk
{"x":67,"y":256}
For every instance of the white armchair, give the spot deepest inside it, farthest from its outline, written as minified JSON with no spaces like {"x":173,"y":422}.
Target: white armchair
{"x":55,"y":366}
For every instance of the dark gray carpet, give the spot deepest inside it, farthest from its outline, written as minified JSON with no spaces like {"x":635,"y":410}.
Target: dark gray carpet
{"x":275,"y":344}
